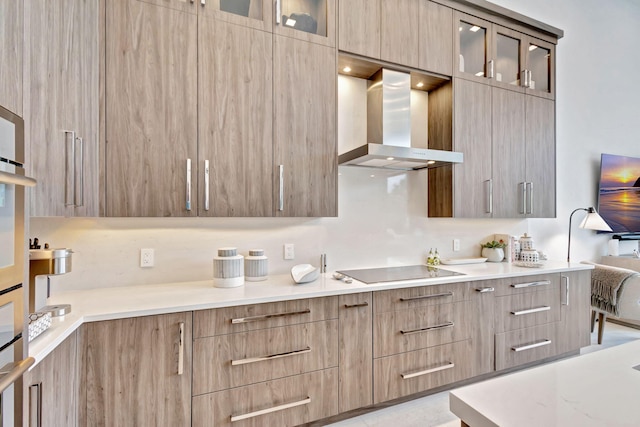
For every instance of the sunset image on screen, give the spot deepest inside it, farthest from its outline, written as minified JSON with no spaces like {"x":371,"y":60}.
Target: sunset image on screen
{"x":619,"y":197}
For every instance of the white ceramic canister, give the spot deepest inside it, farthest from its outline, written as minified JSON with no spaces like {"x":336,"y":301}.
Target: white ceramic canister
{"x":256,"y":266}
{"x":228,"y":268}
{"x":529,"y":255}
{"x":526,"y":242}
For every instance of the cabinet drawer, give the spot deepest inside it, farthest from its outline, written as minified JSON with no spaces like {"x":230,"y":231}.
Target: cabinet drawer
{"x":285,"y":402}
{"x":402,"y":299}
{"x":412,"y":329}
{"x":415,"y":371}
{"x":525,"y":284}
{"x":220,"y":321}
{"x":233,"y":360}
{"x":526,"y":310}
{"x":526,"y":345}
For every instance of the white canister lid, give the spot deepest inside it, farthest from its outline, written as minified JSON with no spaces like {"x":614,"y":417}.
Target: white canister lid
{"x":225,"y":252}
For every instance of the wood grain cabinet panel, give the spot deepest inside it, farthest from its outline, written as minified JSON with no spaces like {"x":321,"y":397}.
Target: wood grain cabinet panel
{"x":136,"y":371}
{"x":409,"y":298}
{"x":355,"y":349}
{"x":525,"y":310}
{"x":575,"y":297}
{"x":399,"y":32}
{"x":526,"y":345}
{"x":151,"y":110}
{"x":283,"y":402}
{"x":435,"y":50}
{"x":234,"y":360}
{"x":11,"y":55}
{"x":359,"y":27}
{"x":525,"y":284}
{"x":251,"y":317}
{"x":52,"y":385}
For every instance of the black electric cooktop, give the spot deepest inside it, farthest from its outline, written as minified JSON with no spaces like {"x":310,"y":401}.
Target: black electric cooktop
{"x":394,"y":274}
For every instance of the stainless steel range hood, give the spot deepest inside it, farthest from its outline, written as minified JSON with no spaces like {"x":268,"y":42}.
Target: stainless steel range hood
{"x":389,"y":129}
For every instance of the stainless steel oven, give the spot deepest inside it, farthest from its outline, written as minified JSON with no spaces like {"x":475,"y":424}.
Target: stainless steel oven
{"x":13,"y":182}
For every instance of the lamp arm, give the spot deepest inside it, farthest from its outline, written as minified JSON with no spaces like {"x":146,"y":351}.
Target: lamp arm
{"x":570,"y":218}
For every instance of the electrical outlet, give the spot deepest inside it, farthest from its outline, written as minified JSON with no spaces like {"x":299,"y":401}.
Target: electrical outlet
{"x":146,"y":257}
{"x":456,"y":245}
{"x":289,"y":252}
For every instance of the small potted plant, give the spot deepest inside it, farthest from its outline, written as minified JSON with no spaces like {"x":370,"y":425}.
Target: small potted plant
{"x":493,"y":251}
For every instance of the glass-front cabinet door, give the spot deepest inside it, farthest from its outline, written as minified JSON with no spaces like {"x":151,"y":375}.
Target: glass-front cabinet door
{"x":507,"y":61}
{"x":310,"y":20}
{"x":472,"y":47}
{"x":250,"y":13}
{"x":539,"y":75}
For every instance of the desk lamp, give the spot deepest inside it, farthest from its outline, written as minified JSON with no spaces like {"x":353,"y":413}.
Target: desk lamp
{"x":592,"y":221}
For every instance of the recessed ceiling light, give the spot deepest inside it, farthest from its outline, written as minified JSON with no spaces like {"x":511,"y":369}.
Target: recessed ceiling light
{"x":390,"y":158}
{"x":347,"y":69}
{"x":420,"y":84}
{"x":430,"y":162}
{"x":474,"y":28}
{"x":372,"y":176}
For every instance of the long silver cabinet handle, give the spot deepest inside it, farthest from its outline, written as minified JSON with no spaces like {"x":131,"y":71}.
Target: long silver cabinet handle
{"x":206,"y":185}
{"x":281,"y":187}
{"x":523,"y":78}
{"x":428,"y":328}
{"x":489,"y":193}
{"x":530,"y":73}
{"x":268,"y":316}
{"x":531,"y":346}
{"x":523,"y":211}
{"x":566,"y":289}
{"x":530,"y":197}
{"x":68,"y":173}
{"x":362,"y":304}
{"x":270,"y":357}
{"x":427,"y":371}
{"x":531,"y":284}
{"x":531,"y":310}
{"x":75,"y":198}
{"x":270,"y":410}
{"x":491,"y":68}
{"x":485,"y":290}
{"x":278,"y":12}
{"x":444,"y":294}
{"x":188,"y":199}
{"x":35,"y":405}
{"x":181,"y":350}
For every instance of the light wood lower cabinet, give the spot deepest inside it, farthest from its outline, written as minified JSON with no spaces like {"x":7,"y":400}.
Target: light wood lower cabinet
{"x":575,"y":309}
{"x":51,"y":388}
{"x":527,"y":345}
{"x":136,"y":371}
{"x":283,"y":402}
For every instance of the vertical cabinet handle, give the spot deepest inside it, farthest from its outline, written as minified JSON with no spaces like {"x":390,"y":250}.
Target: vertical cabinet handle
{"x":206,"y":185}
{"x":523,"y":195}
{"x":281,"y":188}
{"x":491,"y":68}
{"x":529,"y":186}
{"x":81,"y":175}
{"x":489,"y":193}
{"x":566,"y":289}
{"x":188,"y":199}
{"x":278,"y":12}
{"x":70,"y":167}
{"x":35,"y":405}
{"x":181,"y":349}
{"x":530,"y":73}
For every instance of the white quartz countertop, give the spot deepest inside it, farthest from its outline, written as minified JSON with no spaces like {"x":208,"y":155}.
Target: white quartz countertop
{"x":131,"y":301}
{"x":594,"y":390}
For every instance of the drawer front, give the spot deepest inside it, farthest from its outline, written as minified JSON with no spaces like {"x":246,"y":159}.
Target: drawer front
{"x":526,"y":310}
{"x":220,"y":321}
{"x":234,"y":360}
{"x":284,"y":402}
{"x":525,"y":284}
{"x":400,"y":331}
{"x":402,"y":299}
{"x":415,"y":371}
{"x":526,"y":345}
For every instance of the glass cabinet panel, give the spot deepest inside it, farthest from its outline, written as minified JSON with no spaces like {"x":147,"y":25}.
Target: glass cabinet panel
{"x":309,"y":16}
{"x":247,"y":8}
{"x":508,"y":61}
{"x":539,"y":66}
{"x":473,"y":49}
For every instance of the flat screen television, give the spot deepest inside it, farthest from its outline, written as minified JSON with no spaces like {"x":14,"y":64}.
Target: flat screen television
{"x":619,"y":193}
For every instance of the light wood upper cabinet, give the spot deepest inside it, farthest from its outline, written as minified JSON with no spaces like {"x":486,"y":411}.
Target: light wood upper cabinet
{"x":540,"y":157}
{"x":151,"y":110}
{"x":136,"y":371}
{"x":435,"y":51}
{"x":399,"y":31}
{"x":256,"y":14}
{"x":309,"y":20}
{"x":305,"y":143}
{"x":61,"y":83}
{"x":52,"y":386}
{"x":11,"y":55}
{"x":235,"y":120}
{"x":359,"y":27}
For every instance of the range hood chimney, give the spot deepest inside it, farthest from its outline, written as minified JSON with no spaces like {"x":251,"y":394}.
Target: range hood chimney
{"x":389,"y":129}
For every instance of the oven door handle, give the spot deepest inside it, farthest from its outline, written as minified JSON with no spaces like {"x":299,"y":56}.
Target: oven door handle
{"x":12,"y":178}
{"x":11,"y":372}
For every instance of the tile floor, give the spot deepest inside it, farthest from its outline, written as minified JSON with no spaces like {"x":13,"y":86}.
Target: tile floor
{"x":433,"y":411}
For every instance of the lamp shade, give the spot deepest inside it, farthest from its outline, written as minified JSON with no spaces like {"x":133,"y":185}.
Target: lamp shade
{"x":593,"y":221}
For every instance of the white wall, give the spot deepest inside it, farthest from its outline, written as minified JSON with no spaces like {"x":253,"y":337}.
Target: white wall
{"x":382,"y":218}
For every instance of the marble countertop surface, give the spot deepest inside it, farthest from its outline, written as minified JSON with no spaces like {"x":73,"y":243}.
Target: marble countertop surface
{"x":594,"y":390}
{"x":131,"y":301}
